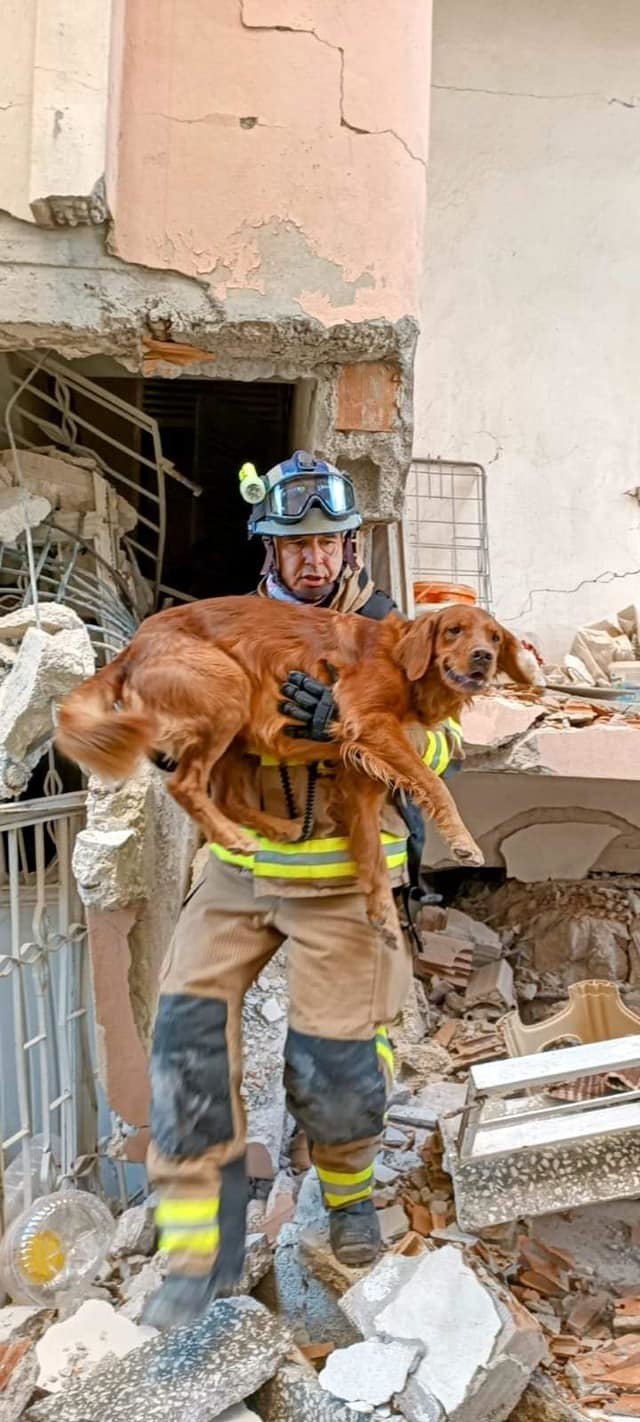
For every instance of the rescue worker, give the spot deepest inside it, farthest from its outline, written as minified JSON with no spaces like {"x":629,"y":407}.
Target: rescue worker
{"x":345,"y":982}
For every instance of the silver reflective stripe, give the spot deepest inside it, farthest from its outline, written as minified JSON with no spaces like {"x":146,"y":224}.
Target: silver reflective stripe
{"x":335,"y":856}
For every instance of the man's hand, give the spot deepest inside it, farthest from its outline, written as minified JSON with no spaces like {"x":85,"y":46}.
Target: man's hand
{"x":311,"y":705}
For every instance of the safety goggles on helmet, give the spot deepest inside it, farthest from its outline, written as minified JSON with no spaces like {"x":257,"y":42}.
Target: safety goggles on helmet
{"x":291,"y":499}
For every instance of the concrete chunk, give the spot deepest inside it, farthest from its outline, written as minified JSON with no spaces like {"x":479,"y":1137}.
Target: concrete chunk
{"x":193,"y":1372}
{"x":469,"y":1372}
{"x":69,"y":1350}
{"x":135,"y":1233}
{"x":295,"y":1395}
{"x":46,"y":669}
{"x":368,"y":1372}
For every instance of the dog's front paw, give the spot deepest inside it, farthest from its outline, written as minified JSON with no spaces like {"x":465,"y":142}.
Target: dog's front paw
{"x":466,"y":851}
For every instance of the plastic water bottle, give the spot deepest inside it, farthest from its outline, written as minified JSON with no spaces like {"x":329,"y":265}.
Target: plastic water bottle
{"x":55,"y":1247}
{"x":42,"y":1176}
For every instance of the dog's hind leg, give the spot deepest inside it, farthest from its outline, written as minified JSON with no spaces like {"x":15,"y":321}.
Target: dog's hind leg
{"x":383,"y":752}
{"x":232,"y":788}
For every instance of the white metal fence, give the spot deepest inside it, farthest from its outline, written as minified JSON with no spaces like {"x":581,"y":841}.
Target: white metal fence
{"x":445,"y":524}
{"x":47,"y":1082}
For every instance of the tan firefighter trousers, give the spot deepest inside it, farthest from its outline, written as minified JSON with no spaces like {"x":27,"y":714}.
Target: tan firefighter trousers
{"x":345,"y":983}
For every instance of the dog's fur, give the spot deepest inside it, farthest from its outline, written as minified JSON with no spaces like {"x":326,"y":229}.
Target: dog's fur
{"x":201,"y":684}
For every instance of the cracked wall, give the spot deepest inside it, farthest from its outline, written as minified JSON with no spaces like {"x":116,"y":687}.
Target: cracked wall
{"x":530,"y":348}
{"x":281,"y":157}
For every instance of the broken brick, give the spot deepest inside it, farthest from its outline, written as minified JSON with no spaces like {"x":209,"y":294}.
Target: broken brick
{"x":367,"y":397}
{"x":419,"y":1218}
{"x":10,"y":1355}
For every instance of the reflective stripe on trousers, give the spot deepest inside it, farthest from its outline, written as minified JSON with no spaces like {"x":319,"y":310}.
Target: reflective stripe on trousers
{"x":188,"y":1226}
{"x":343,"y":1187}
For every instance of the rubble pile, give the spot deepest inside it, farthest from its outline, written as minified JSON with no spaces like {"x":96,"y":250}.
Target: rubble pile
{"x":561,"y":932}
{"x":538,"y":1320}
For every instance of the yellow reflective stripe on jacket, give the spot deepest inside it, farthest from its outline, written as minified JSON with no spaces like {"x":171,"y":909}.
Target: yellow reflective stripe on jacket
{"x":385,"y":1050}
{"x":311,"y":859}
{"x":344,"y":1187}
{"x":441,"y":744}
{"x":188,"y":1226}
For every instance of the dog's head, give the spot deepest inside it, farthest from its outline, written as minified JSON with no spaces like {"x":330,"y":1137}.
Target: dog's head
{"x":466,"y":647}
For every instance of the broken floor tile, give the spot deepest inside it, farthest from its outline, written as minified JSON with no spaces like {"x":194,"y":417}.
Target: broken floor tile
{"x":68,"y":1351}
{"x":368,"y":1372}
{"x":193,"y":1372}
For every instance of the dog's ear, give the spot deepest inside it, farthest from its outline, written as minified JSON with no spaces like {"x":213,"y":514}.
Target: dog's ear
{"x":517,"y":663}
{"x":415,"y":648}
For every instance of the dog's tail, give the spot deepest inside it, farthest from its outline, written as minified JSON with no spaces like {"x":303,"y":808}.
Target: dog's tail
{"x":97,"y":736}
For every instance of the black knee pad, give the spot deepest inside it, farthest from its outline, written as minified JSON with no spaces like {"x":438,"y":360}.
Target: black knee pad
{"x":335,"y":1090}
{"x":190,"y":1091}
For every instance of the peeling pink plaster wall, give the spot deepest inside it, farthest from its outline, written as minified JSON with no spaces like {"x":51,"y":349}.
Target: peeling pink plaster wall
{"x":277,"y":150}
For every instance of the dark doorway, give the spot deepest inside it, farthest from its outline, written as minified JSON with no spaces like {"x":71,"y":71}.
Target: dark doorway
{"x":209,"y":428}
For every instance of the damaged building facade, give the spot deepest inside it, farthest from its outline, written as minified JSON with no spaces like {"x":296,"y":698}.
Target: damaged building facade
{"x":210,"y":251}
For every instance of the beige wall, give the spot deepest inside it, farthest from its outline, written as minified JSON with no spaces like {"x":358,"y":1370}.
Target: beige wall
{"x":530,"y":348}
{"x":275,"y":149}
{"x":54,"y":76}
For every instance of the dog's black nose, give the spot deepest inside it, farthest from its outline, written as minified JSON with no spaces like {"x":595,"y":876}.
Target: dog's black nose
{"x":480,"y":657}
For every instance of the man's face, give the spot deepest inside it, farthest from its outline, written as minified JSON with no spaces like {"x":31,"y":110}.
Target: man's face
{"x":308,"y":566}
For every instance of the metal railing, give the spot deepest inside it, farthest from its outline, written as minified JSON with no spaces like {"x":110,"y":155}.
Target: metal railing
{"x":53,"y":404}
{"x":446,"y":527}
{"x":47,"y":1084}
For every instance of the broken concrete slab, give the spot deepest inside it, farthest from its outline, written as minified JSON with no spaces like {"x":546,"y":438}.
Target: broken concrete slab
{"x":487,"y":945}
{"x":47,"y":667}
{"x":473,"y":1371}
{"x":491,"y":985}
{"x":258,"y":1259}
{"x":188,"y":1372}
{"x":371,"y":1371}
{"x":68,"y":1351}
{"x":294,"y":1394}
{"x":431,"y":1102}
{"x":542,"y":1401}
{"x":135,"y":1232}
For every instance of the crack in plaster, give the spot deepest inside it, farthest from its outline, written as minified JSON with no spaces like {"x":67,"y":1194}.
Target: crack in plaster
{"x":338,"y":49}
{"x":514,"y":93}
{"x":228,"y":120}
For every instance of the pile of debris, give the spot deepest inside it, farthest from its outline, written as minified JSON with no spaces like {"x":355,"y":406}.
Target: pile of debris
{"x":561,"y":932}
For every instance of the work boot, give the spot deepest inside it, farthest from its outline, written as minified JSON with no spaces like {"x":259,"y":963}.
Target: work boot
{"x":181,"y":1300}
{"x":355,"y":1233}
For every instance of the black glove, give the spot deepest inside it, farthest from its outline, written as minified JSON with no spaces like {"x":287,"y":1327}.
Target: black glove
{"x":311,"y":705}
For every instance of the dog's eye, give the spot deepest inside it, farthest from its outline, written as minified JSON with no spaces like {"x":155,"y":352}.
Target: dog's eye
{"x":454,"y":631}
{"x":495,"y":636}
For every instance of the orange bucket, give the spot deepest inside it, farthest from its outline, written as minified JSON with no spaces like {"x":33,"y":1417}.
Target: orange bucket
{"x":443,"y":592}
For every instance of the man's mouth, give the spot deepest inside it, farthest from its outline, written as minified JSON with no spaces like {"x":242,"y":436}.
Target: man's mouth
{"x":466,"y":681}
